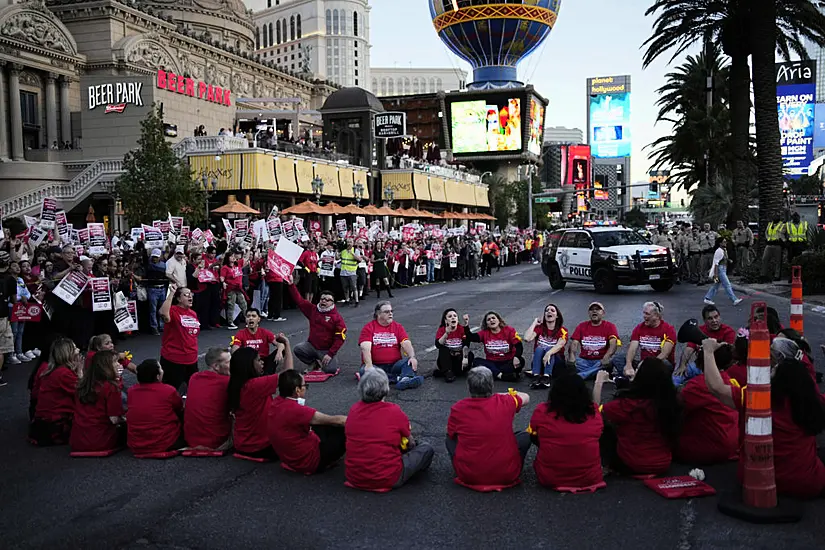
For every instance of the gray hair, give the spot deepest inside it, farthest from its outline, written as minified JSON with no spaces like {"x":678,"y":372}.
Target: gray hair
{"x":784,"y":348}
{"x":480,"y":382}
{"x":374,"y":385}
{"x":378,"y":307}
{"x":657,"y":307}
{"x":213,"y":355}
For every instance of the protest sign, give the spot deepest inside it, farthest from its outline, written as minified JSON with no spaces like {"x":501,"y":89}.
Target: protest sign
{"x":283,"y":259}
{"x":26,"y":313}
{"x":326,"y":266}
{"x":48,"y":213}
{"x":126,"y":318}
{"x":288,"y":228}
{"x":177,"y":223}
{"x":153,"y":237}
{"x":273,"y":225}
{"x":97,"y":238}
{"x":62,"y":225}
{"x":30,"y":220}
{"x":341,"y":227}
{"x":136,"y":233}
{"x":241,"y":229}
{"x":71,"y":286}
{"x":101,"y":295}
{"x":37,"y":235}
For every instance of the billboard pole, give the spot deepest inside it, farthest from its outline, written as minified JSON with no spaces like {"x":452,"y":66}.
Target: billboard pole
{"x":709,"y":92}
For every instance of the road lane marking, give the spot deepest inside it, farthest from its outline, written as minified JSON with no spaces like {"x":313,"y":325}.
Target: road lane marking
{"x":516,"y":273}
{"x":436,"y":295}
{"x":555,"y":292}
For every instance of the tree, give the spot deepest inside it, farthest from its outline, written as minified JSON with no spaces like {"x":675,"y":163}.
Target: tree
{"x":635,"y":218}
{"x":713,"y":204}
{"x":517,"y":194}
{"x":805,"y":185}
{"x":155,"y":182}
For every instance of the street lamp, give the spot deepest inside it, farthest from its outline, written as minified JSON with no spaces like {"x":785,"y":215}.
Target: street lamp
{"x":317,"y":188}
{"x":389,"y":195}
{"x":210,"y":187}
{"x":358,"y":193}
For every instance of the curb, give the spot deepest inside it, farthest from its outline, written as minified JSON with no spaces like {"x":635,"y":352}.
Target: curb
{"x":748,"y":291}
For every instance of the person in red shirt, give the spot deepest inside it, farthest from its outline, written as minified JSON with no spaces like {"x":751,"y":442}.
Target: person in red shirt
{"x":642,"y":422}
{"x":250,"y":393}
{"x":98,"y":412}
{"x":503,"y":348}
{"x":154,"y":412}
{"x":566,"y":429}
{"x":179,"y":344}
{"x":306,"y":440}
{"x":327,"y":331}
{"x":103,"y":342}
{"x":652,"y":338}
{"x":738,"y":371}
{"x":804,"y":349}
{"x":212,"y":293}
{"x":382,"y":340}
{"x":309,"y":282}
{"x":275,"y":304}
{"x":450,"y":342}
{"x":593,"y":343}
{"x":486,"y":454}
{"x":232,"y":281}
{"x":797,"y":417}
{"x":710,"y":430}
{"x":206,"y":420}
{"x":712,"y":328}
{"x":551,"y":338}
{"x":52,"y":423}
{"x":253,"y":336}
{"x":381,"y":452}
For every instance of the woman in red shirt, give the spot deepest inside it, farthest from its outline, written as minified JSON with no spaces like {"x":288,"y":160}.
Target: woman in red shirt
{"x":642,"y":421}
{"x":450,"y":342}
{"x":551,"y":338}
{"x":103,"y":342}
{"x":179,"y":344}
{"x":250,"y":393}
{"x":566,"y":429}
{"x":232,"y":279}
{"x":56,"y":392}
{"x":503,"y":348}
{"x":98,"y":411}
{"x":155,"y":412}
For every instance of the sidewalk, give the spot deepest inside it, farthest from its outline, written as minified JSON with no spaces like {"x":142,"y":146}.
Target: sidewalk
{"x":780,"y":289}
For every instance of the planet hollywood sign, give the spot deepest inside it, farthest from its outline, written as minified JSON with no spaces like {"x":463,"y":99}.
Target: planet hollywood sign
{"x":184,"y":85}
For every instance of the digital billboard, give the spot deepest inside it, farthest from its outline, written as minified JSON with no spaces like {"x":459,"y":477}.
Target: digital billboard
{"x":609,"y":125}
{"x":599,"y":187}
{"x":536,"y":138}
{"x":563,"y":171}
{"x":578,"y":166}
{"x":819,"y":127}
{"x":796,"y":100}
{"x":489,"y":125}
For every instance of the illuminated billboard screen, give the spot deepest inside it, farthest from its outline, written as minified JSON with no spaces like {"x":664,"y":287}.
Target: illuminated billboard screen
{"x":600,"y":187}
{"x":578,"y":166}
{"x":796,"y":107}
{"x":489,"y":125}
{"x":536,"y":139}
{"x":819,"y":129}
{"x":609,"y":125}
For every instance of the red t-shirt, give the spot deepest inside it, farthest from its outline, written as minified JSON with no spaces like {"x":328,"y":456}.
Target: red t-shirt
{"x":595,"y":339}
{"x":546,"y":338}
{"x":724,"y":334}
{"x":206,"y":421}
{"x":56,"y":394}
{"x":309,"y":259}
{"x":455,"y":339}
{"x":179,"y":343}
{"x":376,"y":433}
{"x":232,"y":276}
{"x":651,"y":339}
{"x":799,"y":471}
{"x":486,"y":456}
{"x":386,"y":341}
{"x":259,"y":341}
{"x":710,"y":430}
{"x":214,"y":266}
{"x":90,"y":355}
{"x":738,"y":372}
{"x":501,"y":346}
{"x":290,"y":435}
{"x":153,"y":417}
{"x":641,"y":446}
{"x":91,"y":428}
{"x":568,"y":453}
{"x":250,"y":417}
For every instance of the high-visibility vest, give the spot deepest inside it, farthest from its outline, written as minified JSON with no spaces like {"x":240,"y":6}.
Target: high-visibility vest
{"x":348,"y":261}
{"x":773,"y":231}
{"x":541,"y":240}
{"x":798,"y":233}
{"x":485,"y":249}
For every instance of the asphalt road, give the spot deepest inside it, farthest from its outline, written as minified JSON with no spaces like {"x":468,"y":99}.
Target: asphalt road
{"x":50,"y":500}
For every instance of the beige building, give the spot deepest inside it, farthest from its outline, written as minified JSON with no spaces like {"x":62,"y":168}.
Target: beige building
{"x":413,"y":81}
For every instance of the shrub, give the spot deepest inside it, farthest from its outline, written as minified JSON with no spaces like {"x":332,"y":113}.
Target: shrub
{"x":813,"y":266}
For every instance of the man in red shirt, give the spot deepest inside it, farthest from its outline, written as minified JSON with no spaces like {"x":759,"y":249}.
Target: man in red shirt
{"x":327,"y":331}
{"x":593,"y":343}
{"x":206,"y":421}
{"x":713,"y":328}
{"x":253,"y":336}
{"x":305,"y":440}
{"x":486,"y":454}
{"x":382,"y":341}
{"x":653,"y":337}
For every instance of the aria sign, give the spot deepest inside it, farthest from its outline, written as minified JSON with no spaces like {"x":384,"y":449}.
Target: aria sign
{"x":115,"y":97}
{"x":390,"y":125}
{"x":184,"y":85}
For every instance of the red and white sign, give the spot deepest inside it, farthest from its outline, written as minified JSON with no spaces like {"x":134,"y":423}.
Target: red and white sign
{"x":180,"y":84}
{"x":101,"y":296}
{"x":26,"y":313}
{"x":206,"y":275}
{"x":48,"y":213}
{"x":97,"y":238}
{"x":71,"y":286}
{"x":283,"y":259}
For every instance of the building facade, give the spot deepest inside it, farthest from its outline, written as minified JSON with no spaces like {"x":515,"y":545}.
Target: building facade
{"x":563,"y":136}
{"x":328,"y":39}
{"x":401,"y":81}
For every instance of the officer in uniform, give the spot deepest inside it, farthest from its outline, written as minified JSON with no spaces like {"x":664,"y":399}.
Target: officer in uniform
{"x":797,"y":232}
{"x":772,"y":256}
{"x":695,"y":256}
{"x":682,"y":244}
{"x":707,"y":245}
{"x":743,"y":239}
{"x":661,"y":238}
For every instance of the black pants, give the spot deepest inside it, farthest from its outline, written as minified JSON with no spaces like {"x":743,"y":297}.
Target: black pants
{"x":176,"y":374}
{"x":213,"y":291}
{"x":267,"y":453}
{"x":449,"y":360}
{"x":333,"y":445}
{"x":201,"y":306}
{"x":276,"y":300}
{"x":487,"y":262}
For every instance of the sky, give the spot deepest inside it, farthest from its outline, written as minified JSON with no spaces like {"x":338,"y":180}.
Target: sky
{"x":591,"y":38}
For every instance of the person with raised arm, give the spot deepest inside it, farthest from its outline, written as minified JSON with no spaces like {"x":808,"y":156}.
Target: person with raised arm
{"x":327,"y":330}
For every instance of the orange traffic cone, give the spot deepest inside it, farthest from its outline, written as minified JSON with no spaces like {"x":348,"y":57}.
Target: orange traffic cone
{"x":797,"y":320}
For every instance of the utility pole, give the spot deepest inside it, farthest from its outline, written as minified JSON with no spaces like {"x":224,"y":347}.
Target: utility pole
{"x":709,"y":58}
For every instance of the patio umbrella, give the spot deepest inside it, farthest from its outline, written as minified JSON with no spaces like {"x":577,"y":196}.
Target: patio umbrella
{"x":235,"y":207}
{"x":305,"y":207}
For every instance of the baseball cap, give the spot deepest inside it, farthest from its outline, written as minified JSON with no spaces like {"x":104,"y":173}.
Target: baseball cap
{"x":156,"y":253}
{"x":595,"y":304}
{"x":179,"y":249}
{"x":85,"y":259}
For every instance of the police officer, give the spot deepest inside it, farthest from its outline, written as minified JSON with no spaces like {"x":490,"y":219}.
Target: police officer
{"x":694,"y":256}
{"x":743,"y":240}
{"x":661,"y":238}
{"x":772,"y":256}
{"x":707,"y":244}
{"x":682,"y":244}
{"x":797,"y":232}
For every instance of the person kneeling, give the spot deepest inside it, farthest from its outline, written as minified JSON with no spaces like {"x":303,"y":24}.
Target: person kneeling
{"x":486,"y":454}
{"x":306,"y":440}
{"x":154,"y":413}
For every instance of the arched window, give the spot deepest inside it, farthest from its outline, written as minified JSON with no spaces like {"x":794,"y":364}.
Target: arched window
{"x":335,"y":26}
{"x":439,"y":84}
{"x":383,"y":86}
{"x":415,"y":85}
{"x":355,"y":23}
{"x":300,"y":34}
{"x":271,"y":35}
{"x":329,"y":22}
{"x":278,"y":32}
{"x":390,"y":88}
{"x":292,"y":28}
{"x":432,"y":85}
{"x":375,"y":85}
{"x":258,"y":38}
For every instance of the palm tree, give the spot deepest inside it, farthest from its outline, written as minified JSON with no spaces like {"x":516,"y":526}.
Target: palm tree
{"x":714,"y":203}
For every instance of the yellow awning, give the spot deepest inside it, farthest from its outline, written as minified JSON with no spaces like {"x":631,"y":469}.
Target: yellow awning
{"x":400,"y":183}
{"x":285,"y":174}
{"x":459,"y":192}
{"x":437,"y":191}
{"x":421,"y":186}
{"x":233,"y":171}
{"x":304,"y":175}
{"x":345,"y":178}
{"x":482,"y":195}
{"x":360,"y":176}
{"x":329,"y":174}
{"x":263,"y":172}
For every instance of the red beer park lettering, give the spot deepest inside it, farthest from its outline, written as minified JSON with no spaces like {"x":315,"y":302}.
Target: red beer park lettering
{"x":167,"y":80}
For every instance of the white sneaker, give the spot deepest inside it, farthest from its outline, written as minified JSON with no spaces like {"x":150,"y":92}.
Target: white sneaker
{"x":232,"y":327}
{"x":36,"y":352}
{"x":13,"y":360}
{"x":264,"y":314}
{"x":737,"y":301}
{"x":280,"y":319}
{"x":709,"y":302}
{"x":23,"y":358}
{"x":30,"y":355}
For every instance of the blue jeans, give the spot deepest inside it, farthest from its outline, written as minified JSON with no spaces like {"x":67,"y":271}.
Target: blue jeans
{"x":587,"y":368}
{"x":17,"y":328}
{"x":690,"y":372}
{"x":430,"y":271}
{"x":619,"y":362}
{"x":724,"y":282}
{"x":156,"y":297}
{"x":395,"y":371}
{"x":497,"y":367}
{"x":264,"y":296}
{"x":538,"y":359}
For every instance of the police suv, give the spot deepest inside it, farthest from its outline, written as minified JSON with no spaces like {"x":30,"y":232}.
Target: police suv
{"x":606,"y":257}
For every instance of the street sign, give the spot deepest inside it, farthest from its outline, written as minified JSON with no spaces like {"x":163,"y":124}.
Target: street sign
{"x":545,"y":200}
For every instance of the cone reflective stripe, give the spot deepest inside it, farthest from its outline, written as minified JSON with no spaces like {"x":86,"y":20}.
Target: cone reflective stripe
{"x":797,"y":321}
{"x":759,"y":484}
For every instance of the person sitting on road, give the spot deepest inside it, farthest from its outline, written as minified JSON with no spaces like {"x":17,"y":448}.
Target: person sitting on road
{"x":710,"y":430}
{"x":486,"y":454}
{"x":327,"y":331}
{"x":642,"y":422}
{"x":593,"y":343}
{"x":154,"y":413}
{"x":712,"y":328}
{"x":307,"y":441}
{"x":101,"y":342}
{"x":450,"y":342}
{"x":382,"y":341}
{"x":52,"y":423}
{"x":259,"y":338}
{"x":804,"y":348}
{"x":797,"y":415}
{"x":551,"y":338}
{"x":566,"y":429}
{"x":381,"y":453}
{"x":652,"y":338}
{"x":206,"y":421}
{"x":738,"y":370}
{"x":503,"y":348}
{"x":98,"y":411}
{"x":250,"y":392}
